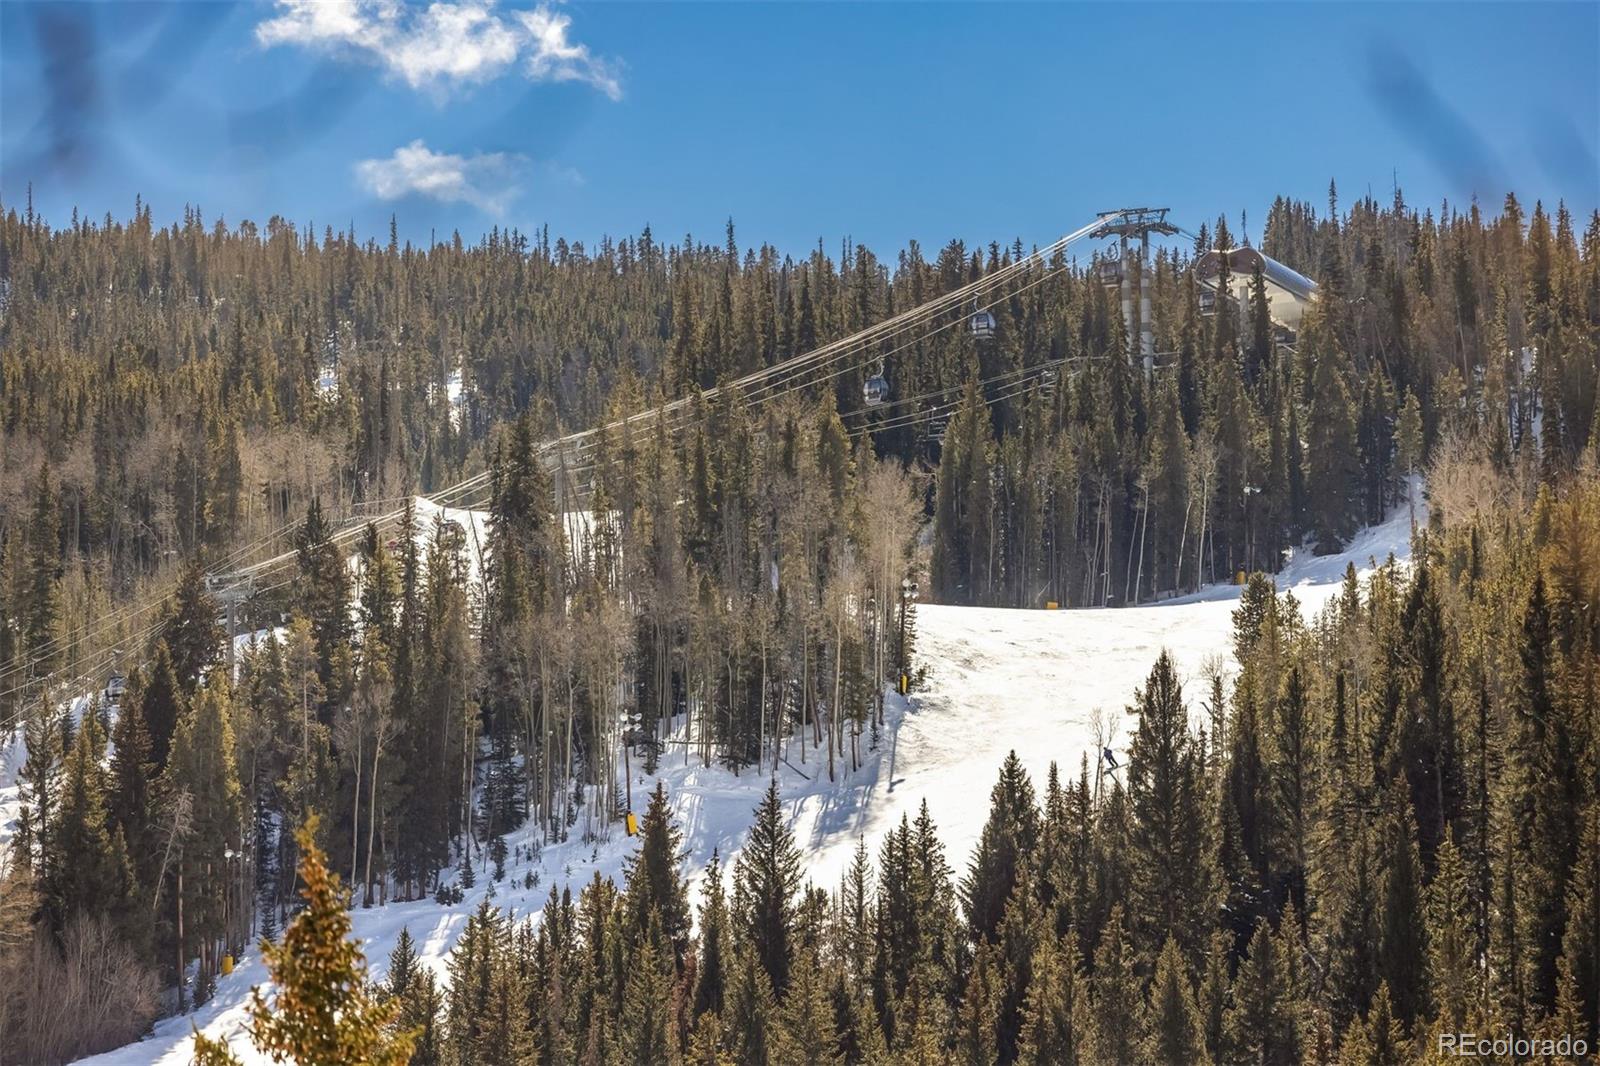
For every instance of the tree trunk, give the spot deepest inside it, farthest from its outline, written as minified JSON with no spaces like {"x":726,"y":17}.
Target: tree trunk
{"x":355,"y":815}
{"x":372,"y":821}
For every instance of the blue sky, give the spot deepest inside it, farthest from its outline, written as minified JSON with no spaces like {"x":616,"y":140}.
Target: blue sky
{"x":881,"y":122}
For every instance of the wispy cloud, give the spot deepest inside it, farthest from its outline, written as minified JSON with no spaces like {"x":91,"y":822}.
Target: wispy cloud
{"x":556,"y":58}
{"x":445,"y":44}
{"x":486,"y":181}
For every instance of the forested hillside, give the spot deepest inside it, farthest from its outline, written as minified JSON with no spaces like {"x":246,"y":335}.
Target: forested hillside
{"x":1388,"y":825}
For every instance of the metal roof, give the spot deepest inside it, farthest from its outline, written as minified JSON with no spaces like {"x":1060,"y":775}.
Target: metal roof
{"x":1288,"y":291}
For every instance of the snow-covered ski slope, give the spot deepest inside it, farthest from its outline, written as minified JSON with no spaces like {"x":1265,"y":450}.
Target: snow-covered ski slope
{"x":996,"y":680}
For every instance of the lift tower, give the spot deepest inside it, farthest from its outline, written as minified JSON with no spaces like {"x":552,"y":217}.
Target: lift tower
{"x":231,"y":591}
{"x":1126,"y":224}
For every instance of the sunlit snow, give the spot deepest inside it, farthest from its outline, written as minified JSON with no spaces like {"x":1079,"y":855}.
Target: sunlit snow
{"x":996,"y":680}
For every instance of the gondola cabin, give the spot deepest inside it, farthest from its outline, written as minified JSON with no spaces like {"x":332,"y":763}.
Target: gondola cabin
{"x":116,"y":684}
{"x":982,"y":325}
{"x":875,"y":391}
{"x":1208,"y":302}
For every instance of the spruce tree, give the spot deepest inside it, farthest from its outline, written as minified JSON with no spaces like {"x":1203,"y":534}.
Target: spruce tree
{"x":1262,"y":1026}
{"x":403,"y":967}
{"x":40,"y":601}
{"x":320,"y":1010}
{"x":1212,"y":998}
{"x":202,"y":767}
{"x":1004,"y":848}
{"x":1427,"y":743}
{"x":1542,"y":791}
{"x":750,"y":1006}
{"x":1173,"y":895}
{"x":129,"y":802}
{"x":648,"y":1030}
{"x":1402,"y":950}
{"x":1173,"y":1034}
{"x":766,"y":879}
{"x":87,"y":874}
{"x":1115,"y":1032}
{"x":1053,"y":1018}
{"x":855,"y":916}
{"x":710,"y":979}
{"x":192,"y":633}
{"x":323,"y":590}
{"x":159,"y":696}
{"x":1377,"y":1039}
{"x":1581,"y":940}
{"x":979,"y":1014}
{"x":1452,"y":955}
{"x":803,"y":1033}
{"x":655,"y":888}
{"x":1333,"y":472}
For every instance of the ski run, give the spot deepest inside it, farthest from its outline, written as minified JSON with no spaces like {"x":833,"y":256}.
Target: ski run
{"x":1053,"y":685}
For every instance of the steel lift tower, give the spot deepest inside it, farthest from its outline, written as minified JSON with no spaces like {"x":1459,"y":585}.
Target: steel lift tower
{"x":1125,"y":225}
{"x":231,"y":591}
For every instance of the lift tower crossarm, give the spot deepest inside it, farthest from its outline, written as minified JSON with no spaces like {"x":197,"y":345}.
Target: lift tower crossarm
{"x":1134,"y":222}
{"x":1140,"y":222}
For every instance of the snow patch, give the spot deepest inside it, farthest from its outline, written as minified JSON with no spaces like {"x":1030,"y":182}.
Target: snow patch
{"x":1038,"y":682}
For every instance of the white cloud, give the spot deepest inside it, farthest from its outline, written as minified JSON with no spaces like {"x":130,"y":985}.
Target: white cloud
{"x":486,"y":181}
{"x":564,"y":174}
{"x":554,"y":58}
{"x":444,"y":43}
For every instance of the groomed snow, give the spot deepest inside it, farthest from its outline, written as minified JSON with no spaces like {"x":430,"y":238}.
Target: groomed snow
{"x":996,"y":680}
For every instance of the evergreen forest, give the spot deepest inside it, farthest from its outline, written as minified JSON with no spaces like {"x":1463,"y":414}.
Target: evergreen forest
{"x":1378,"y":825}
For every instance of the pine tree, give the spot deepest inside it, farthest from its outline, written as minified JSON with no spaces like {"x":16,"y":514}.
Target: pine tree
{"x":1452,"y":952}
{"x":1173,"y":895}
{"x":1262,"y":1027}
{"x":1004,"y":848}
{"x":1172,"y":1026}
{"x":803,"y":1034}
{"x":321,"y":1011}
{"x":1053,"y":1018}
{"x":979,"y":1015}
{"x":1115,"y":1031}
{"x":87,"y":874}
{"x":766,"y":879}
{"x":710,"y":980}
{"x":648,"y":1032}
{"x":160,"y":700}
{"x":191,"y":631}
{"x":1332,"y":474}
{"x":656,"y":891}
